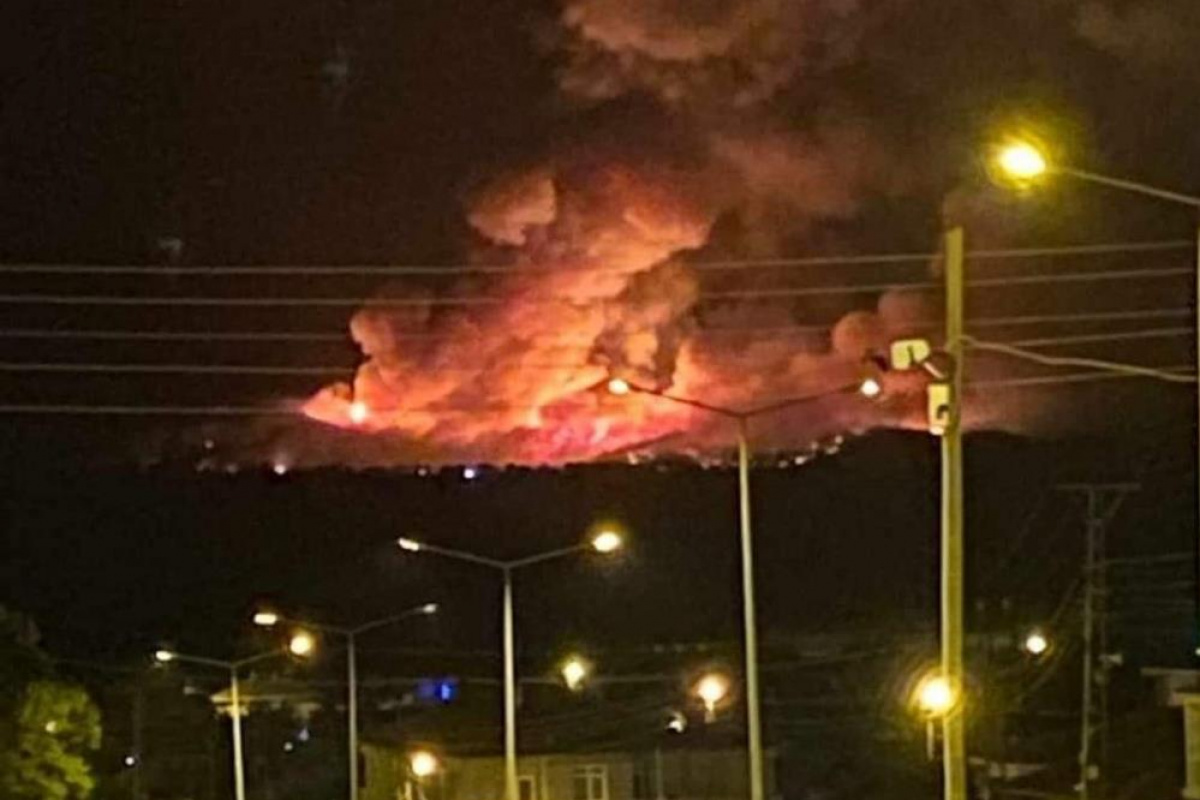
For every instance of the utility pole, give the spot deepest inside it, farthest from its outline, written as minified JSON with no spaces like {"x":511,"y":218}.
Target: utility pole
{"x":953,"y":723}
{"x":1101,"y":503}
{"x":139,"y":746}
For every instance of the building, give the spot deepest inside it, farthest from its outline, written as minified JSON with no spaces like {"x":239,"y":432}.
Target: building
{"x":663,"y":774}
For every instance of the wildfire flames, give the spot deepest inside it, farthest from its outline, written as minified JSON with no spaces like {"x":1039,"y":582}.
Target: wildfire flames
{"x":513,"y":367}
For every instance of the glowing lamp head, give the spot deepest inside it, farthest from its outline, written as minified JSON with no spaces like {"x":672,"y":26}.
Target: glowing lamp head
{"x":935,"y":696}
{"x":302,"y":644}
{"x":423,"y":763}
{"x":1021,"y":161}
{"x":410,"y":545}
{"x":870,"y":387}
{"x":429,"y":608}
{"x":1036,"y":643}
{"x":164,"y":656}
{"x":574,"y":672}
{"x":619,"y":387}
{"x":606,"y":542}
{"x":359,"y":412}
{"x":266,"y":619}
{"x":712,"y":689}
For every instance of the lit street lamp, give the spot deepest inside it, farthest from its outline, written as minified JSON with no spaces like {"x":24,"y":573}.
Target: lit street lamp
{"x":235,"y":700}
{"x":1024,"y":163}
{"x":712,"y":689}
{"x":1036,"y":643}
{"x":423,"y":764}
{"x":620,"y":387}
{"x":574,"y":672}
{"x":605,"y":541}
{"x":936,"y":696}
{"x":302,"y":643}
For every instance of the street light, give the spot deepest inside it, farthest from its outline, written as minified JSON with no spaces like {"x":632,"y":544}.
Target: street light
{"x":423,"y":764}
{"x":1036,"y":643}
{"x":575,"y":670}
{"x":605,"y":542}
{"x":712,"y":689}
{"x":303,"y":643}
{"x":1021,"y":161}
{"x":1022,"y":153}
{"x":620,"y":387}
{"x":935,"y":695}
{"x":235,"y":700}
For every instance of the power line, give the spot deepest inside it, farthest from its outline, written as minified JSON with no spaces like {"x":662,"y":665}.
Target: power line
{"x":265,"y":335}
{"x":184,"y":369}
{"x":204,"y":271}
{"x":1063,"y":361}
{"x":1185,"y":370}
{"x":494,"y":300}
{"x":1095,"y":338}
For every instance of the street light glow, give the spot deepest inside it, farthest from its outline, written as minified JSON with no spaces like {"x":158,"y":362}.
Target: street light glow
{"x":163,"y":656}
{"x":712,"y":689}
{"x":423,"y":763}
{"x":429,"y":608}
{"x":411,"y":545}
{"x":359,"y":412}
{"x":1022,"y":161}
{"x":619,"y":387}
{"x":302,"y":643}
{"x":870,"y":387}
{"x":574,"y":672}
{"x":1036,"y":643}
{"x":606,"y":542}
{"x":266,"y":619}
{"x":935,"y":696}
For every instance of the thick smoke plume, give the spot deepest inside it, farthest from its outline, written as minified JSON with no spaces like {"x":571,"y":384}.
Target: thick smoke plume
{"x":597,"y":245}
{"x":591,"y":259}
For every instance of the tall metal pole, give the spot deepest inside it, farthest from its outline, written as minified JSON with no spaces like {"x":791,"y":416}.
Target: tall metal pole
{"x":139,"y":745}
{"x":352,"y":712}
{"x":510,"y":694}
{"x":235,"y":711}
{"x":1094,"y":524}
{"x":753,"y":709}
{"x":953,"y":724}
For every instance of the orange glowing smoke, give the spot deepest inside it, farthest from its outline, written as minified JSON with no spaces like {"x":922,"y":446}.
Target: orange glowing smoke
{"x":596,"y":288}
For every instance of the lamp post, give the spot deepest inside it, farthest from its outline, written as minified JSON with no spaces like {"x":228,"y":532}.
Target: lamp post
{"x":235,"y":700}
{"x":268,"y":619}
{"x":870,"y":388}
{"x":604,"y":542}
{"x":1024,"y":163}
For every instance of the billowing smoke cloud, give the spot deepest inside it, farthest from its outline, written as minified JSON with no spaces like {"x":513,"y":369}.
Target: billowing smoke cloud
{"x":594,"y":259}
{"x":596,"y":282}
{"x":1160,"y":34}
{"x":697,"y":51}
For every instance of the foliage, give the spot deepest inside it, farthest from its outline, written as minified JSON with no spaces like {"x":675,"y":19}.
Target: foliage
{"x":47,"y":727}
